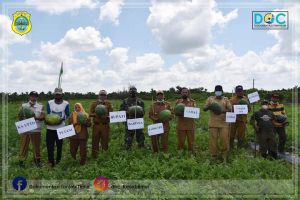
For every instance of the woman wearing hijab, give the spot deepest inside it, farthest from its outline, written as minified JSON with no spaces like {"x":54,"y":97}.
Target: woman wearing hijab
{"x":80,"y":126}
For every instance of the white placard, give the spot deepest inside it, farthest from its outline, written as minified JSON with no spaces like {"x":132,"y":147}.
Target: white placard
{"x":253,"y":97}
{"x":230,"y":117}
{"x":118,"y":116}
{"x":240,"y":109}
{"x":66,"y":131}
{"x":155,"y":129}
{"x":134,"y":124}
{"x":26,"y":125}
{"x":191,"y":112}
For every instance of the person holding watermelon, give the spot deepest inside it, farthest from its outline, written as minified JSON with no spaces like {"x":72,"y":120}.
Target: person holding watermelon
{"x":185,"y":126}
{"x":135,"y":108}
{"x":280,"y":120}
{"x":31,"y":109}
{"x":160,"y":112}
{"x":58,"y":111}
{"x":218,"y":105}
{"x":99,"y":111}
{"x":81,"y":121}
{"x":238,"y":128}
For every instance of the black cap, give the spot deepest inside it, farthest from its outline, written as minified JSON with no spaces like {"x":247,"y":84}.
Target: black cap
{"x":132,"y":88}
{"x":218,"y":88}
{"x":264,"y":102}
{"x":239,"y":88}
{"x":33,"y":93}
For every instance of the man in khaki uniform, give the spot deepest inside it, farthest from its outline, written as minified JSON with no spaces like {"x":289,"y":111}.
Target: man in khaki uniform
{"x":35,"y":135}
{"x":217,"y":123}
{"x":238,"y":128}
{"x":155,"y":109}
{"x":100,"y":125}
{"x":185,"y":126}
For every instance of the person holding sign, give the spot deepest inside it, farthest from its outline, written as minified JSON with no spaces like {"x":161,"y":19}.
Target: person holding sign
{"x":238,"y":129}
{"x":35,"y":135}
{"x":135,"y":108}
{"x":218,"y":106}
{"x":81,"y":121}
{"x":280,"y":120}
{"x":185,"y":126}
{"x":262,"y":122}
{"x":160,"y":112}
{"x":58,"y":107}
{"x":99,"y":111}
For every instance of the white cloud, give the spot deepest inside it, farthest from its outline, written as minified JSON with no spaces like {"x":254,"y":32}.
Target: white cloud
{"x":111,"y":11}
{"x":288,"y":42}
{"x":58,"y":7}
{"x":216,"y":64}
{"x":40,"y":75}
{"x":185,"y":25}
{"x":119,"y":57}
{"x":7,"y":36}
{"x":75,"y":40}
{"x":80,"y":73}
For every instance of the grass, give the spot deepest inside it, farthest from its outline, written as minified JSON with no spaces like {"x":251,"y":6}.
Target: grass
{"x":143,"y":164}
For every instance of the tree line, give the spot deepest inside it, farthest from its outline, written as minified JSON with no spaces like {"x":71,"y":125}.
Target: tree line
{"x":289,"y":95}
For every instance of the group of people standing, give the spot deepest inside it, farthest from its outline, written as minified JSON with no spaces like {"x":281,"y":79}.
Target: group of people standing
{"x":263,"y":121}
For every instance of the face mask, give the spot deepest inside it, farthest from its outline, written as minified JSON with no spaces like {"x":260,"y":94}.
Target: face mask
{"x":265,"y":107}
{"x":218,"y":93}
{"x":32,"y":102}
{"x":161,"y":101}
{"x":132,"y":93}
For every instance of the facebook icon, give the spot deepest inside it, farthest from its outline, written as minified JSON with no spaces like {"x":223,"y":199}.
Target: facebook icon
{"x":19,"y":183}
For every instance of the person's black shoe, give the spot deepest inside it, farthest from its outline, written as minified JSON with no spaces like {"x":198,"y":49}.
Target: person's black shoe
{"x":51,"y":164}
{"x":38,"y":163}
{"x":127,"y":147}
{"x":21,"y":164}
{"x":141,"y":146}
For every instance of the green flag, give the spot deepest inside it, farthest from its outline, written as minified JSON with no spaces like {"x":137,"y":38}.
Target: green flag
{"x":60,"y":75}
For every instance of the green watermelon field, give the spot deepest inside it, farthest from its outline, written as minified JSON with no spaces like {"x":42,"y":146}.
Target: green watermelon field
{"x":140,"y":164}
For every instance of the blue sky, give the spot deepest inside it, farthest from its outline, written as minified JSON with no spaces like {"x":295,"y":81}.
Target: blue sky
{"x":142,"y":44}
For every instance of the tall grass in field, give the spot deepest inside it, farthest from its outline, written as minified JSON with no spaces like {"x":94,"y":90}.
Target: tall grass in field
{"x":142,"y":163}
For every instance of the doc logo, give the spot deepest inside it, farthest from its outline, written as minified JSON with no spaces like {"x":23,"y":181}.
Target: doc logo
{"x":270,"y":20}
{"x":19,"y":183}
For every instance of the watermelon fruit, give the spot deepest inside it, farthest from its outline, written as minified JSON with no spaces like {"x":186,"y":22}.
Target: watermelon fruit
{"x":26,"y":113}
{"x":135,"y":111}
{"x":81,"y":118}
{"x":53,"y":119}
{"x":179,"y":109}
{"x":280,"y":118}
{"x":165,"y":115}
{"x":216,"y":108}
{"x":243,"y":102}
{"x":101,"y":110}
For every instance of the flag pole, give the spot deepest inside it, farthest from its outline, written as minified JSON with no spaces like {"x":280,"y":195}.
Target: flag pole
{"x":60,"y":75}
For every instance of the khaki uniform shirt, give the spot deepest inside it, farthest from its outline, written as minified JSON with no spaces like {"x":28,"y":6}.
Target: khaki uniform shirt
{"x":234,"y":101}
{"x":186,"y":123}
{"x":154,"y":111}
{"x":104,"y":119}
{"x":218,"y":121}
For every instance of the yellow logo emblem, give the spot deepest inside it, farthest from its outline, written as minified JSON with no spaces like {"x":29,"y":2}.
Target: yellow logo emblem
{"x":21,"y":23}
